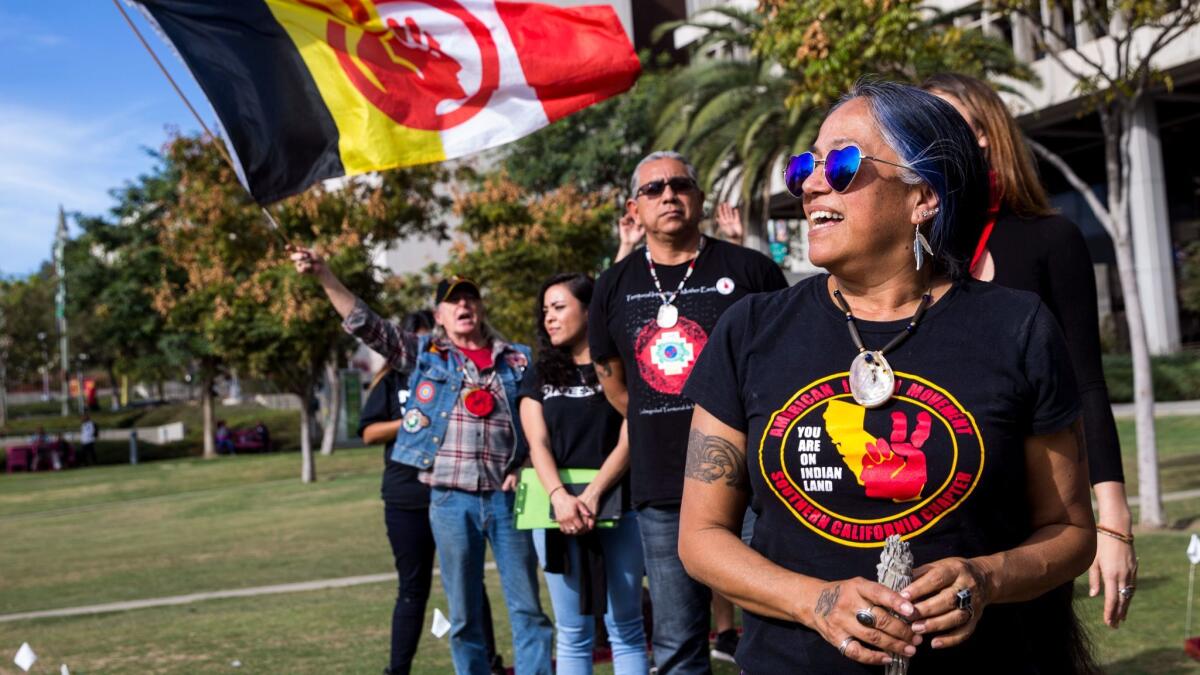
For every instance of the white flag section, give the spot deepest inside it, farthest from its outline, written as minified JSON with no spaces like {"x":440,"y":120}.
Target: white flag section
{"x":1193,"y":550}
{"x":25,"y":657}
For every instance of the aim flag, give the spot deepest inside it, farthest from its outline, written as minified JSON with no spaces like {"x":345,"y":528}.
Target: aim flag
{"x":313,"y":89}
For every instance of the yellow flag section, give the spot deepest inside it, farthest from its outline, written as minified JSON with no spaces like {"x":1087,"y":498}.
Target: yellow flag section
{"x":368,"y":139}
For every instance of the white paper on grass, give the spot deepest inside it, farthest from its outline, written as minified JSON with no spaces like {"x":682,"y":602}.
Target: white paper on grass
{"x":63,"y":670}
{"x":1193,"y":552}
{"x":441,"y":625}
{"x":25,"y":657}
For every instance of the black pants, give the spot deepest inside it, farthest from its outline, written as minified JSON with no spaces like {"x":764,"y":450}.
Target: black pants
{"x":87,"y":454}
{"x":412,"y":549}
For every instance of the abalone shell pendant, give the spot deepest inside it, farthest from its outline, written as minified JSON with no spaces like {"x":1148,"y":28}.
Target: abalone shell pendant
{"x":871,"y":379}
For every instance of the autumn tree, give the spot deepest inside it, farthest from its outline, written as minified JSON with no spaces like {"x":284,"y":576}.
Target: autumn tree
{"x":511,"y":240}
{"x":238,"y":291}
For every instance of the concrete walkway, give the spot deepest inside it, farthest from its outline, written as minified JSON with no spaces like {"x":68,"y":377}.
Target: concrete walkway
{"x":322,"y":584}
{"x":1162,"y":409}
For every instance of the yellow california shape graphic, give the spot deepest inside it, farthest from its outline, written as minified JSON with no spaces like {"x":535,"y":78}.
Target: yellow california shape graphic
{"x":845,"y":423}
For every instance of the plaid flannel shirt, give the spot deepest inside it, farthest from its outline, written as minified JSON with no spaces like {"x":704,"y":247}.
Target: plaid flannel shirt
{"x":474,"y":451}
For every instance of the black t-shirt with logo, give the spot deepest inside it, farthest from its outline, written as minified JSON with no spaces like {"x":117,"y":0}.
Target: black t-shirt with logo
{"x":583,"y":427}
{"x":621,"y":322}
{"x":942,"y":463}
{"x":401,"y":487}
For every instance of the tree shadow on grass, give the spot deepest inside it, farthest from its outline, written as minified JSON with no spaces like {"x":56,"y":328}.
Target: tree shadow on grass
{"x":1161,"y":661}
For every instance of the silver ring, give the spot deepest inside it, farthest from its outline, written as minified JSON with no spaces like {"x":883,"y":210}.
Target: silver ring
{"x":865,"y":617}
{"x":1127,"y":591}
{"x":962,"y":600}
{"x":845,"y":644}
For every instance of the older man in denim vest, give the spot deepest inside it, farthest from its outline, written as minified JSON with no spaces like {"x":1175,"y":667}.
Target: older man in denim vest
{"x":461,"y":428}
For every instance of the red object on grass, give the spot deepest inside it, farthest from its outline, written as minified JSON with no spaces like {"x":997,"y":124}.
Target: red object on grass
{"x":1191,"y":647}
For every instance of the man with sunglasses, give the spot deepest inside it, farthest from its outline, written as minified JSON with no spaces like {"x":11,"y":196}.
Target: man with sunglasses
{"x":650,"y":317}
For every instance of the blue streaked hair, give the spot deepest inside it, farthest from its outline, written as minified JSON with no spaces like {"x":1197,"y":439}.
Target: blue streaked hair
{"x":938,"y":146}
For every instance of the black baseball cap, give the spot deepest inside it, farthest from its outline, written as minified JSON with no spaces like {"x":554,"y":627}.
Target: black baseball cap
{"x":447,"y":286}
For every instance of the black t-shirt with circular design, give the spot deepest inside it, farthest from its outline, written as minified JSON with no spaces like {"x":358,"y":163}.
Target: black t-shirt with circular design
{"x":942,"y":464}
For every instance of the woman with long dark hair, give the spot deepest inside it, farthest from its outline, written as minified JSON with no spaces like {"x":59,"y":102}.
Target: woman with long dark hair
{"x":1026,"y":245}
{"x":569,"y":424}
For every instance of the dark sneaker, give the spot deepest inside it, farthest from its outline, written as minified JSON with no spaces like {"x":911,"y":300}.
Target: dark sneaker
{"x":497,"y":666}
{"x":725,"y":646}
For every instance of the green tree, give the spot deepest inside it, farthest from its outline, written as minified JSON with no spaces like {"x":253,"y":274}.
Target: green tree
{"x":759,"y":82}
{"x":238,"y":293}
{"x":513,"y":241}
{"x":831,"y":44}
{"x":28,"y":337}
{"x":112,"y":268}
{"x":594,"y":149}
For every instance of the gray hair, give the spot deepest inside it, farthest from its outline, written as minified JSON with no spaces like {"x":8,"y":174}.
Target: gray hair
{"x":489,"y":332}
{"x":654,"y":157}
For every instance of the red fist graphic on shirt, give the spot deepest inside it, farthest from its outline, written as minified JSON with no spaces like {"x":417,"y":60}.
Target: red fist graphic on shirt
{"x":896,"y":470}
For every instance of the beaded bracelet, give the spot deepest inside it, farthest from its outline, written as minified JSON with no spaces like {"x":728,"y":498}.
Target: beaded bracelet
{"x":1120,"y":536}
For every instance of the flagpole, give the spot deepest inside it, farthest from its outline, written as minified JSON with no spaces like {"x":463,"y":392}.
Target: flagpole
{"x":200,"y":120}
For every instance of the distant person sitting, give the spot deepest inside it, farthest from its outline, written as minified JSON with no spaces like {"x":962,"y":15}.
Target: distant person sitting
{"x":263,"y":434}
{"x":224,"y":439}
{"x":40,"y":443}
{"x":60,"y":450}
{"x":87,"y":441}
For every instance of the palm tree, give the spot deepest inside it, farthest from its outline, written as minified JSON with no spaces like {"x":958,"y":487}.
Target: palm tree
{"x":726,"y":111}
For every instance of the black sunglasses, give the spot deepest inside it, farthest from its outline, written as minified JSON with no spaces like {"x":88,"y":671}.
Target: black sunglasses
{"x":678,"y":184}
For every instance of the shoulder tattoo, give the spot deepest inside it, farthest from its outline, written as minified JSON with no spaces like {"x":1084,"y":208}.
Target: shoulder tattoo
{"x":712,"y":458}
{"x":604,"y":369}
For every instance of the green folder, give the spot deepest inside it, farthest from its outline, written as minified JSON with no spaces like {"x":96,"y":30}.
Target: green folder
{"x":533,"y":510}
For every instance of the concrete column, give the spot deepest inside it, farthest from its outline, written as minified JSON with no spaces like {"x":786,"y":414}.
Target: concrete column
{"x":1083,"y":31}
{"x":1153,"y":257}
{"x":1022,"y":39}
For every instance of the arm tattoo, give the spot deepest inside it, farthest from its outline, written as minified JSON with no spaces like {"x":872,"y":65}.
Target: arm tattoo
{"x":826,"y":601}
{"x":603,"y":369}
{"x":711,"y":458}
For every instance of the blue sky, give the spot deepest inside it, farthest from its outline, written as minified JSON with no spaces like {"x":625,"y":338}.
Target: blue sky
{"x":80,"y":103}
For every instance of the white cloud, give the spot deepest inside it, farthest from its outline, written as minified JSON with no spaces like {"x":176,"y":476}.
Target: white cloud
{"x":47,"y":159}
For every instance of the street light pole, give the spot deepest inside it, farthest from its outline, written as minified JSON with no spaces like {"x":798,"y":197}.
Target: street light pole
{"x":44,"y":368}
{"x":60,"y":304}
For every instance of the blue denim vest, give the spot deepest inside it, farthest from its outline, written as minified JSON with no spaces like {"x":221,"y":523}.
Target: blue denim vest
{"x":434,"y":387}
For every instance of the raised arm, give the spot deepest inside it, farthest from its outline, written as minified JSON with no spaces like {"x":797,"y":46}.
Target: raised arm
{"x":1060,"y":548}
{"x":612,"y":377}
{"x":385,"y":338}
{"x":716,"y":490}
{"x":308,"y":261}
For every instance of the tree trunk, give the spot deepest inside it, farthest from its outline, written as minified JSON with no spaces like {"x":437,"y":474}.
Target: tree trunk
{"x":1149,"y":492}
{"x":308,"y":467}
{"x":333,"y":405}
{"x":114,"y":389}
{"x":1117,"y":222}
{"x":206,"y":405}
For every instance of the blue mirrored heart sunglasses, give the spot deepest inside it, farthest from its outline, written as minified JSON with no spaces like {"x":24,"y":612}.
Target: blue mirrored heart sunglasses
{"x":841,"y":166}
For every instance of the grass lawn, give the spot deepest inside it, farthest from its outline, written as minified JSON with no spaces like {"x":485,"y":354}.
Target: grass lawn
{"x":180,"y":526}
{"x":1178,"y":452}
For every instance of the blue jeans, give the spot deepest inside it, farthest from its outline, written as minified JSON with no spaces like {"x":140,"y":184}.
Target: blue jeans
{"x":461,"y":522}
{"x":681,"y":605}
{"x":623,"y":571}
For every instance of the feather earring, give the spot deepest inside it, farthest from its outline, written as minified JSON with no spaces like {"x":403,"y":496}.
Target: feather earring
{"x":920,"y":246}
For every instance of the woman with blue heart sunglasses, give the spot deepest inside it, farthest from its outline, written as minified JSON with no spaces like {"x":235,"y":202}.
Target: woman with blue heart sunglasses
{"x":906,"y":434}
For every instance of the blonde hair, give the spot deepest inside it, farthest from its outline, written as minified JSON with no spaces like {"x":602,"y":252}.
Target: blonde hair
{"x":1008,"y":155}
